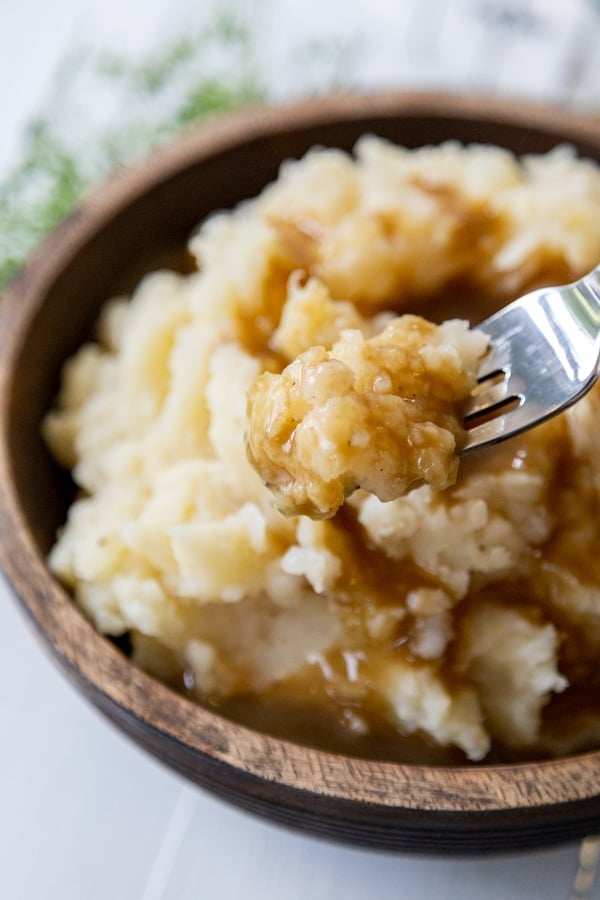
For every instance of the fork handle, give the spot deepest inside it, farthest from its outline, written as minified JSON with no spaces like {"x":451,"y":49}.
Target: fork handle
{"x":586,"y":292}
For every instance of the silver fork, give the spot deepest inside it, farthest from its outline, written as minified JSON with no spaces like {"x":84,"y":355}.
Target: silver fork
{"x":544,"y":356}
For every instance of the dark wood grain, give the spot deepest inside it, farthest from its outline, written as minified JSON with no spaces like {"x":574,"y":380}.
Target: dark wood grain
{"x":46,"y":314}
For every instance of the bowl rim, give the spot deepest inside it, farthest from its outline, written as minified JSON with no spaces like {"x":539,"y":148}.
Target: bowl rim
{"x":101,"y":671}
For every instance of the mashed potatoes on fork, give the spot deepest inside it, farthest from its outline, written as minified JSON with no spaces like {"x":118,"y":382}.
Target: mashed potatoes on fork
{"x":462,"y":617}
{"x":382,"y":414}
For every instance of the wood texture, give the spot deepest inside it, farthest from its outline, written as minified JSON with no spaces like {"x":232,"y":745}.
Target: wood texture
{"x":48,"y":311}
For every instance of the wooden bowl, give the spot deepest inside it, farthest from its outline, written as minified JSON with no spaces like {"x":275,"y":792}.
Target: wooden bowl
{"x":118,"y":233}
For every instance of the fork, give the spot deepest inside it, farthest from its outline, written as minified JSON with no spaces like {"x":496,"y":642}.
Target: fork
{"x":544,"y":355}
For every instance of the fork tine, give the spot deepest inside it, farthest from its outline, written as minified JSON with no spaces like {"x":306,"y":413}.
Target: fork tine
{"x":491,"y":389}
{"x":499,"y":405}
{"x":486,"y":400}
{"x":486,"y":433}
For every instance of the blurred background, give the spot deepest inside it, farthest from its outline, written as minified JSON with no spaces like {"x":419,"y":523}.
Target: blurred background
{"x":87,"y":87}
{"x":90,"y":85}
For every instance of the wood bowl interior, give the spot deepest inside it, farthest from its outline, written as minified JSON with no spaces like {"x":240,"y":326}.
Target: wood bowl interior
{"x":134,"y":224}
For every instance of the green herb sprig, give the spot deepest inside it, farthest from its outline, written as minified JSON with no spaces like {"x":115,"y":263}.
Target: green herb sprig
{"x":192,"y":78}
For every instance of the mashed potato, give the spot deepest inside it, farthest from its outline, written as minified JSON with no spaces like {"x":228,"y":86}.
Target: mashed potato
{"x":428,"y":625}
{"x":381,"y":414}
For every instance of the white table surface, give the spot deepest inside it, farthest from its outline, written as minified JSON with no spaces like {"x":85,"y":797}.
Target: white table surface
{"x":84,"y":813}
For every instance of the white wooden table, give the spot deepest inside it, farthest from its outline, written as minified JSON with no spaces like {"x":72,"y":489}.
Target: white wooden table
{"x":86,"y":815}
